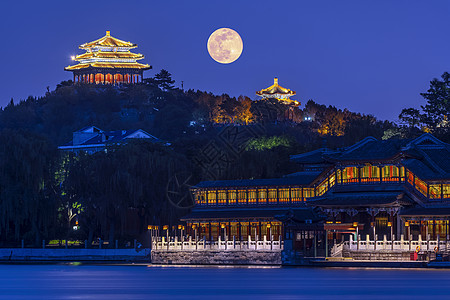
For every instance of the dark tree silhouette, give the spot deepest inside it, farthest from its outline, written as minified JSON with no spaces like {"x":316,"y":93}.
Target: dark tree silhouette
{"x":164,"y":80}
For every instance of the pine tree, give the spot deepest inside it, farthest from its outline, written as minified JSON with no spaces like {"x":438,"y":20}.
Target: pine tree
{"x":164,"y":80}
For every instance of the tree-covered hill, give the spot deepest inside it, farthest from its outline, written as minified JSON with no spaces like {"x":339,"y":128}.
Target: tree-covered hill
{"x":172,"y":114}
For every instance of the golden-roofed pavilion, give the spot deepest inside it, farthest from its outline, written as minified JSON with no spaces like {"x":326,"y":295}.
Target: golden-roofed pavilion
{"x":108,"y":60}
{"x":275,"y":91}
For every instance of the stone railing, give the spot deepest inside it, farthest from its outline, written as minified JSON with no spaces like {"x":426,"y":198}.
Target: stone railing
{"x":161,"y":244}
{"x":401,"y":245}
{"x":337,"y":250}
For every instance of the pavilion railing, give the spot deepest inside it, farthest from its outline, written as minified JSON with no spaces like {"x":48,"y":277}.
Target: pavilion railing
{"x":401,"y":245}
{"x":162,"y":244}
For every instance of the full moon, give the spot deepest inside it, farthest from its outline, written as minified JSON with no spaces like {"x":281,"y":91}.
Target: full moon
{"x":225,"y":45}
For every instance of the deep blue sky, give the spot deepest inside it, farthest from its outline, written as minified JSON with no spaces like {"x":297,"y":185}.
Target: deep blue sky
{"x":373,"y":57}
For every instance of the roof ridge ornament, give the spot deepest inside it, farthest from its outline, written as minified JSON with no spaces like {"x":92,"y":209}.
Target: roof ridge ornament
{"x":108,"y":33}
{"x":362,"y":142}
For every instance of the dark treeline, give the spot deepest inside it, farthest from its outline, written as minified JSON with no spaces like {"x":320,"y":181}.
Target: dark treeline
{"x":117,"y":193}
{"x":433,"y":116}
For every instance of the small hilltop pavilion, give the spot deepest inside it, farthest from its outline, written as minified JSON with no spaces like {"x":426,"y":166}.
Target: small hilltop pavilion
{"x":275,"y":91}
{"x":108,"y":60}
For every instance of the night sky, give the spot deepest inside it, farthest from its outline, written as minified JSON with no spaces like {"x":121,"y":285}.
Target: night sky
{"x":373,"y":57}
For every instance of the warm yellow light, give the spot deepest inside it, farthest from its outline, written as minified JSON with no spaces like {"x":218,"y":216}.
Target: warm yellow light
{"x":165,"y":227}
{"x":268,"y":225}
{"x":407,"y":224}
{"x":389,"y":224}
{"x":355,"y":224}
{"x":329,"y":222}
{"x":149,"y":227}
{"x":72,"y":57}
{"x":222,"y":226}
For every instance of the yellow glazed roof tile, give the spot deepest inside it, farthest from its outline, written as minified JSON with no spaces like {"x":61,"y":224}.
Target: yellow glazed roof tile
{"x":275,"y":89}
{"x":109,"y":66}
{"x":108,"y":41}
{"x":103,"y":54}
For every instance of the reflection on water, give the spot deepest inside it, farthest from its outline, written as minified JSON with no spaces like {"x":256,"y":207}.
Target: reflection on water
{"x":199,"y":282}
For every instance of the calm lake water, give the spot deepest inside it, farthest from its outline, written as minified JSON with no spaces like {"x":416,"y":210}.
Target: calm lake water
{"x":150,"y":282}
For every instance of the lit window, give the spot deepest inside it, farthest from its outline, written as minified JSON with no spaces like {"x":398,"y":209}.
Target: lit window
{"x":222,"y":197}
{"x":296,"y":194}
{"x":242,"y":197}
{"x":262,"y":196}
{"x":283,"y":195}
{"x":308,"y":192}
{"x":446,"y":190}
{"x":435,"y":191}
{"x":252,"y":196}
{"x":232,"y":197}
{"x":272,"y":196}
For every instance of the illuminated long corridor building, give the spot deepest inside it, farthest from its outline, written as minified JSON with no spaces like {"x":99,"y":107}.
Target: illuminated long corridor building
{"x":108,"y":60}
{"x":378,"y":188}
